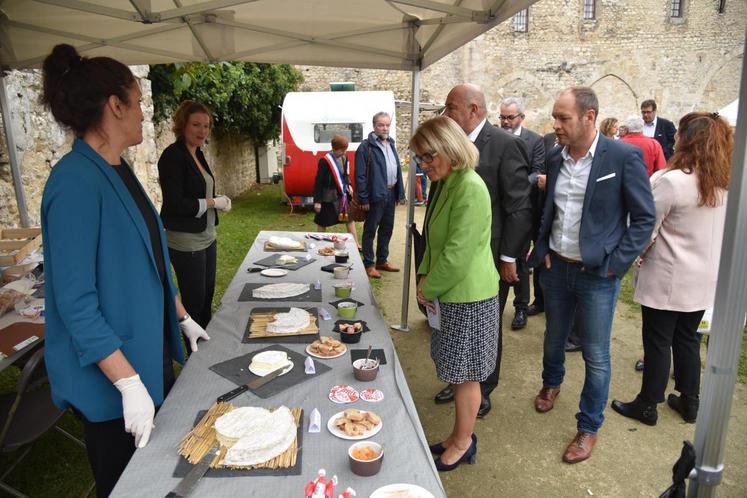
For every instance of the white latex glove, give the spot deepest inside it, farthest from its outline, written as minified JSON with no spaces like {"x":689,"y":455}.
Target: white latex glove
{"x":193,"y":331}
{"x":223,"y":203}
{"x":138,"y":409}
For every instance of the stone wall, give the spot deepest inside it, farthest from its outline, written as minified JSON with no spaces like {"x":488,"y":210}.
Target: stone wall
{"x":40,"y":143}
{"x":632,"y":51}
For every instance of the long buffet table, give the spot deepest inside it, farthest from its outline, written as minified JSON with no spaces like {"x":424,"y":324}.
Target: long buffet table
{"x":407,"y":458}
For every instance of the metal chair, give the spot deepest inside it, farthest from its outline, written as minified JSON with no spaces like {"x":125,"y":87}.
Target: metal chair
{"x":27,"y":414}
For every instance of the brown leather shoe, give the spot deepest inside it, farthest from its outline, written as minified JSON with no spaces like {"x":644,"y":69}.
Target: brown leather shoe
{"x":372,"y":272}
{"x":580,"y":448}
{"x":386,"y":266}
{"x":545,"y":400}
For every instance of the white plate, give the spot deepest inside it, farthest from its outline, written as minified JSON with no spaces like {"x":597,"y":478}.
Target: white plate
{"x":337,"y":432}
{"x":315,"y":355}
{"x":274,"y":272}
{"x":262,"y":372}
{"x":392,"y":489}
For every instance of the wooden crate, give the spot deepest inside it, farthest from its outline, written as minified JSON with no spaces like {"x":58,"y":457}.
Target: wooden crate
{"x":17,"y":243}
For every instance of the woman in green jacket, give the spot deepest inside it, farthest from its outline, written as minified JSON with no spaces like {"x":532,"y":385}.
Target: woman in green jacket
{"x":457,"y":278}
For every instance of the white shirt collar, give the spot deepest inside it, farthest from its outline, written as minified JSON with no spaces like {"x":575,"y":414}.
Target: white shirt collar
{"x":592,"y":149}
{"x":653,"y":123}
{"x":473,"y":134}
{"x":517,"y":131}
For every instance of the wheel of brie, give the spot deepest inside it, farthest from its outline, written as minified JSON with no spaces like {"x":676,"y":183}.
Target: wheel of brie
{"x":255,"y":435}
{"x":290,"y":322}
{"x":280,"y":291}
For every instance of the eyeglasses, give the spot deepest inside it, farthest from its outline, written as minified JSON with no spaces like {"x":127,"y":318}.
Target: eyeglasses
{"x":510,"y":117}
{"x":426,"y":158}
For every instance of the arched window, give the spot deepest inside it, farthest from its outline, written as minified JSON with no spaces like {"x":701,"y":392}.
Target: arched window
{"x":521,"y":21}
{"x":590,"y":9}
{"x":677,"y":8}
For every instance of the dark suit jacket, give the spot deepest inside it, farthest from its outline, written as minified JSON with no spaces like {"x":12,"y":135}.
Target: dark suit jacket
{"x":664,"y":134}
{"x":182,"y":185}
{"x":536,"y":148}
{"x":618,"y":187}
{"x":504,"y":167}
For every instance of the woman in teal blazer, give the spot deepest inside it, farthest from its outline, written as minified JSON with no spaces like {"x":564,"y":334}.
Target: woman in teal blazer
{"x":111,"y":328}
{"x":459,"y":283}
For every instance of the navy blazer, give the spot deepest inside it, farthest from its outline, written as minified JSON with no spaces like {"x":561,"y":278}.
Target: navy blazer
{"x":371,"y":186}
{"x":664,"y":134}
{"x":103,"y":290}
{"x":618,"y":188}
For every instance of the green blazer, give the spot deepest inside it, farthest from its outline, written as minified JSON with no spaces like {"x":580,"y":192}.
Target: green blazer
{"x":458,"y":260}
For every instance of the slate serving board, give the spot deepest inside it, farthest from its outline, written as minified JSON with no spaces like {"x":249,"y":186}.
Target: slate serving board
{"x":311,"y":295}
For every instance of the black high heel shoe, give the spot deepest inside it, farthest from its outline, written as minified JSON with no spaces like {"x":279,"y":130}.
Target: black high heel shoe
{"x":470,"y":456}
{"x":438,"y":448}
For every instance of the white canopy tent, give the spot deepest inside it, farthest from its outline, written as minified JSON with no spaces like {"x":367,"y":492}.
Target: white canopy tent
{"x":383,"y":34}
{"x":729,"y":112}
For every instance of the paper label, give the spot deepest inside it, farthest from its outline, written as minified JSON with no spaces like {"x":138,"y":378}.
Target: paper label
{"x":433,"y":310}
{"x":25,"y":343}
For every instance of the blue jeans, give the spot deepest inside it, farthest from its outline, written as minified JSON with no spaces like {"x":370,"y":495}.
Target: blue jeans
{"x":566,"y":288}
{"x":381,"y":217}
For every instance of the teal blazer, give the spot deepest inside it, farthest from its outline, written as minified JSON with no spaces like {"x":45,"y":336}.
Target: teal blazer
{"x":458,"y":260}
{"x":102,"y":287}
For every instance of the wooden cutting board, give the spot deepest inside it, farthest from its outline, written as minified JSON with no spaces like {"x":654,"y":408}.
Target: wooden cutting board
{"x":18,"y":335}
{"x":259,"y":321}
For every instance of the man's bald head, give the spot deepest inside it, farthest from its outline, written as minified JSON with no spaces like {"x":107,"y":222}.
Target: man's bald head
{"x":465,"y":104}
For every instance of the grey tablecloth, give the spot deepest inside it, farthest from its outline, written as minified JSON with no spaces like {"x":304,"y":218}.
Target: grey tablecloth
{"x":407,"y":458}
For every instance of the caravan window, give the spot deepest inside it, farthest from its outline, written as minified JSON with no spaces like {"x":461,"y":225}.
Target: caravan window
{"x":323,"y":132}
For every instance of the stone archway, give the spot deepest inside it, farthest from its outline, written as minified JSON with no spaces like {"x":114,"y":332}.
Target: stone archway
{"x":537,"y":101}
{"x":616,"y":98}
{"x":722,"y":83}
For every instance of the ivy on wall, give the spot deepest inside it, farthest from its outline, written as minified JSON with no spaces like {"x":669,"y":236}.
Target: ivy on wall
{"x":244,"y":97}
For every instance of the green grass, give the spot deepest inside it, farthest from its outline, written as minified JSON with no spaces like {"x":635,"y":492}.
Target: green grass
{"x":626,"y":295}
{"x":57,"y":466}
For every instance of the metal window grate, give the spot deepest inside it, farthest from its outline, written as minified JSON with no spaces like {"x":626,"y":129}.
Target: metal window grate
{"x":590,"y":8}
{"x":676,"y":8}
{"x":521,"y":21}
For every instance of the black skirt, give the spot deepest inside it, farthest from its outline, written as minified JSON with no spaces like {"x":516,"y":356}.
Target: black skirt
{"x":327,"y":216}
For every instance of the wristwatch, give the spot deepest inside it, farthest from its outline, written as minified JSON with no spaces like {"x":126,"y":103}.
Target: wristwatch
{"x":184,"y":318}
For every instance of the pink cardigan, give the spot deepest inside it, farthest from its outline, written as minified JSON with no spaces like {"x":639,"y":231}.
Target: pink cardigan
{"x":679,"y":271}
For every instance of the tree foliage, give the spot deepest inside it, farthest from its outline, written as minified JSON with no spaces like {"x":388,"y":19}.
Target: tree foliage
{"x":245,"y":97}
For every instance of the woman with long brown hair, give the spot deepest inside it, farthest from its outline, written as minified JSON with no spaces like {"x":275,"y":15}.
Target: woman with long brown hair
{"x":678,"y":271}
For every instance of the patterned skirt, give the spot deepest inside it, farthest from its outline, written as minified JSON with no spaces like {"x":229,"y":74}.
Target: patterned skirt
{"x":466,"y":347}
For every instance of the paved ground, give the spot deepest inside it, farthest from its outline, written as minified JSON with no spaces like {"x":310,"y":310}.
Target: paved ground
{"x":519,"y":449}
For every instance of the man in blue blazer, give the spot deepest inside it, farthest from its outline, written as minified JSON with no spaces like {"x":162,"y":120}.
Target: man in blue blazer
{"x":597,"y":218}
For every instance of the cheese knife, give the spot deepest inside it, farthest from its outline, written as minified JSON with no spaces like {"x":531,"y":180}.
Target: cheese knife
{"x":255,"y":384}
{"x":189,"y":482}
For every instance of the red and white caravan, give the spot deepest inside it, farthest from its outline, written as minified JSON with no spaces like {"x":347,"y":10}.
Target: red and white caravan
{"x":311,"y":119}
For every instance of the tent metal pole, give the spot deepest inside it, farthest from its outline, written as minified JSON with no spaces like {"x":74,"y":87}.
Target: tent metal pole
{"x":402,"y":326}
{"x":10,"y":142}
{"x":728,"y":324}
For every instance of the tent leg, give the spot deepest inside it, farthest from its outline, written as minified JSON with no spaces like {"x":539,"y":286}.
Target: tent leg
{"x":12,"y":156}
{"x":728,"y":324}
{"x":403,"y":326}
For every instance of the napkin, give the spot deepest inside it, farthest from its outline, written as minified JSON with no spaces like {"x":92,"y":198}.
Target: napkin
{"x":315,"y":421}
{"x":309,"y":364}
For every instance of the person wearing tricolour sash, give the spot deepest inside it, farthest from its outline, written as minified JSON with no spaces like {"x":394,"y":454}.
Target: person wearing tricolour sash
{"x":332,"y":190}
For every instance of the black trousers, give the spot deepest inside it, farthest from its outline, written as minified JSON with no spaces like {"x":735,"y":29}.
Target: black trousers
{"x":663,"y":330}
{"x":195,"y":274}
{"x":108,"y":446}
{"x":539,"y":299}
{"x":488,"y":385}
{"x":521,"y":288}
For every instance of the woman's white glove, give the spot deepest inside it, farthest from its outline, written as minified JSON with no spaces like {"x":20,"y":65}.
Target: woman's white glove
{"x":193,"y":331}
{"x":223,"y":203}
{"x":138,"y":408}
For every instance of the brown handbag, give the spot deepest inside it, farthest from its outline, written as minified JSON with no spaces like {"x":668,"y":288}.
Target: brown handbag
{"x":356,"y":211}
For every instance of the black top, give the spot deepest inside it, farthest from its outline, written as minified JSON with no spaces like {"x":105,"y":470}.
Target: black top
{"x":133,"y":186}
{"x":182,"y":185}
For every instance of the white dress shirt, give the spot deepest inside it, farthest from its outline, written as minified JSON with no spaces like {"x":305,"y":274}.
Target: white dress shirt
{"x":391,"y":162}
{"x":649,"y":129}
{"x":570,"y":191}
